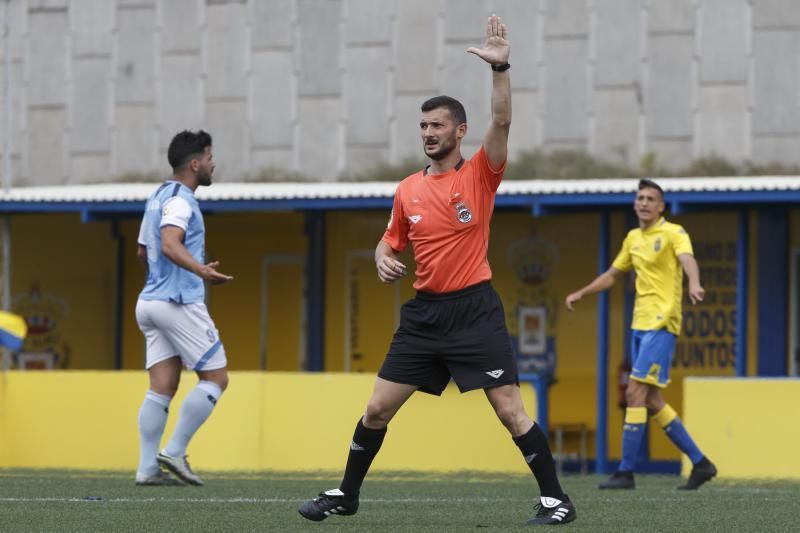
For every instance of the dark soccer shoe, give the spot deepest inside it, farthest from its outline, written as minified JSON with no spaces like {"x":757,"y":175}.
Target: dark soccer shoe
{"x":619,"y":480}
{"x":326,"y":504}
{"x":701,"y":472}
{"x":552,"y":512}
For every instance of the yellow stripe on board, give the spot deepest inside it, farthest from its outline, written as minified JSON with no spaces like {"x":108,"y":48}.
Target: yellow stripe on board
{"x":748,"y":427}
{"x":264,"y":421}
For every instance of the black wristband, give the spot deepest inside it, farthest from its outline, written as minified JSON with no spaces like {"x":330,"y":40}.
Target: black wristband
{"x":501,"y":67}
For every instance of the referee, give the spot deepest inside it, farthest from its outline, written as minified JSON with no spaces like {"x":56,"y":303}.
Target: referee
{"x":455,"y":326}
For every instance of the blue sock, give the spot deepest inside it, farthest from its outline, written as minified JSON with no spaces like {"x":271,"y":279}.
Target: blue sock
{"x":632,"y":434}
{"x":668,"y":419}
{"x":152,"y":420}
{"x":195,"y":410}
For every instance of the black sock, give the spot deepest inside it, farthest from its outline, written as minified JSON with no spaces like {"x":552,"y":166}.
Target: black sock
{"x":536,"y":451}
{"x":363,"y":449}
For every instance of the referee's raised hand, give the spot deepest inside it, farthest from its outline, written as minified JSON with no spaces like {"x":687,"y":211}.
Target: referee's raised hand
{"x":496,"y":49}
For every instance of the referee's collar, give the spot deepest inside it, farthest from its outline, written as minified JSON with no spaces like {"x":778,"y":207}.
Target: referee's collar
{"x":456,"y":168}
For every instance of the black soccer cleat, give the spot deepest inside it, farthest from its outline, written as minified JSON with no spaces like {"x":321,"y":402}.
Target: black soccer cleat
{"x":552,"y":512}
{"x":326,"y":504}
{"x":619,"y":480}
{"x":701,"y":472}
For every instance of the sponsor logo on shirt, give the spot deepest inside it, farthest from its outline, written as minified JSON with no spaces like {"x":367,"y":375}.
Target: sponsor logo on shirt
{"x":415,"y":218}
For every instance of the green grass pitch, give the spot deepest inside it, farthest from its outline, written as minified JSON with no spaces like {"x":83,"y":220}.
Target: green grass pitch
{"x":64,"y":501}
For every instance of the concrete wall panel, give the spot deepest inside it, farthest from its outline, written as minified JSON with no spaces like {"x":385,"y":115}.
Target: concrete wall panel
{"x":566,"y":88}
{"x":670,"y":16}
{"x":524,"y":33}
{"x":671,"y":153}
{"x":134,"y":79}
{"x":320,"y":146}
{"x":320,"y":47}
{"x":227,"y":51}
{"x":181,"y":101}
{"x":524,"y":135}
{"x":45,"y":150}
{"x":616,"y":125}
{"x":566,"y":17}
{"x":90,"y":106}
{"x":368,"y":22}
{"x":270,"y":161}
{"x":723,"y":41}
{"x":47,"y":59}
{"x":776,"y":83}
{"x":179,"y":25}
{"x":771,"y":149}
{"x":668,"y":94}
{"x":465,"y":20}
{"x":617,"y":40}
{"x":135,"y":138}
{"x":272,"y":23}
{"x":722,"y":123}
{"x":416,"y":58}
{"x":366,"y":94}
{"x":91,"y":25}
{"x":89,"y":168}
{"x":364,"y":159}
{"x":273,"y":99}
{"x":775,"y":13}
{"x":226,"y":122}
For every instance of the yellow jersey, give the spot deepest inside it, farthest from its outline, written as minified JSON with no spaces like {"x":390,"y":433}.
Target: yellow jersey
{"x":653,"y":254}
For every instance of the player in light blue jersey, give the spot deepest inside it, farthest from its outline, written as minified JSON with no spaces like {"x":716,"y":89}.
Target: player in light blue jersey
{"x":172,"y":314}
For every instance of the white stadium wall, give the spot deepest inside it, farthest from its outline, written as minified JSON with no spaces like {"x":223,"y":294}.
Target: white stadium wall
{"x":330,"y":88}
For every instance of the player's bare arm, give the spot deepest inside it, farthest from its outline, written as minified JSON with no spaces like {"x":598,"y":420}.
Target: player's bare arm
{"x":390,"y":268}
{"x":496,"y":51}
{"x":696,"y":291}
{"x":601,"y":283}
{"x":141,"y":254}
{"x":172,"y":247}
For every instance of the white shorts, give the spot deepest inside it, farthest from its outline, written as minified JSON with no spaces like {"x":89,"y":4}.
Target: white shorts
{"x":185,"y":330}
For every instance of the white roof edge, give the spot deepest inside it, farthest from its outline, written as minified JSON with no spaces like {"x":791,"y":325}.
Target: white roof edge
{"x":128,"y":192}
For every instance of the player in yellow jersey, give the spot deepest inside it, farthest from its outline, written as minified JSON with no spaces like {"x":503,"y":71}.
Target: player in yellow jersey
{"x":659,"y":252}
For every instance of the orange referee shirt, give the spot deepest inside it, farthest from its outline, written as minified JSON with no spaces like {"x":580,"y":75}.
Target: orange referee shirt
{"x":446,"y":218}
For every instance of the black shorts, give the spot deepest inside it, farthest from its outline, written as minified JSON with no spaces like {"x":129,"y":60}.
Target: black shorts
{"x":460,"y":334}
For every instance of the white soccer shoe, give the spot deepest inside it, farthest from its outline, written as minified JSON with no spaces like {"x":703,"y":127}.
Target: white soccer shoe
{"x":178,"y":466}
{"x":159,"y":479}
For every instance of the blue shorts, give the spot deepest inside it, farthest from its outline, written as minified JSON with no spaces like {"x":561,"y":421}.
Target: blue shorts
{"x":651,"y":356}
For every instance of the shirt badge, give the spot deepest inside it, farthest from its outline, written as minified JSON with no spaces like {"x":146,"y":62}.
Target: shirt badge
{"x":657,"y":246}
{"x":463,"y":213}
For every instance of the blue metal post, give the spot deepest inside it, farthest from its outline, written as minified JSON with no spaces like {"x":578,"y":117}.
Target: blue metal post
{"x":601,"y":445}
{"x":315,"y":283}
{"x":772,"y":299}
{"x":742,"y":250}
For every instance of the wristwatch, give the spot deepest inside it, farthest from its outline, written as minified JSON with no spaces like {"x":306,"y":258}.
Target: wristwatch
{"x":501,"y":67}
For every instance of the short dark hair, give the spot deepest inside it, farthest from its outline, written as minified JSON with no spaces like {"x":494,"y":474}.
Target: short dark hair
{"x":185,"y":146}
{"x":453,"y":106}
{"x":650,"y":184}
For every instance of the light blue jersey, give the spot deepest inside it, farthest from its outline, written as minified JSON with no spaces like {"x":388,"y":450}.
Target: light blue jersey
{"x":172,"y":204}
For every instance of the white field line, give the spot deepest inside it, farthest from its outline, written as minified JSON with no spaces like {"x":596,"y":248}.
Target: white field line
{"x":766,"y":495}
